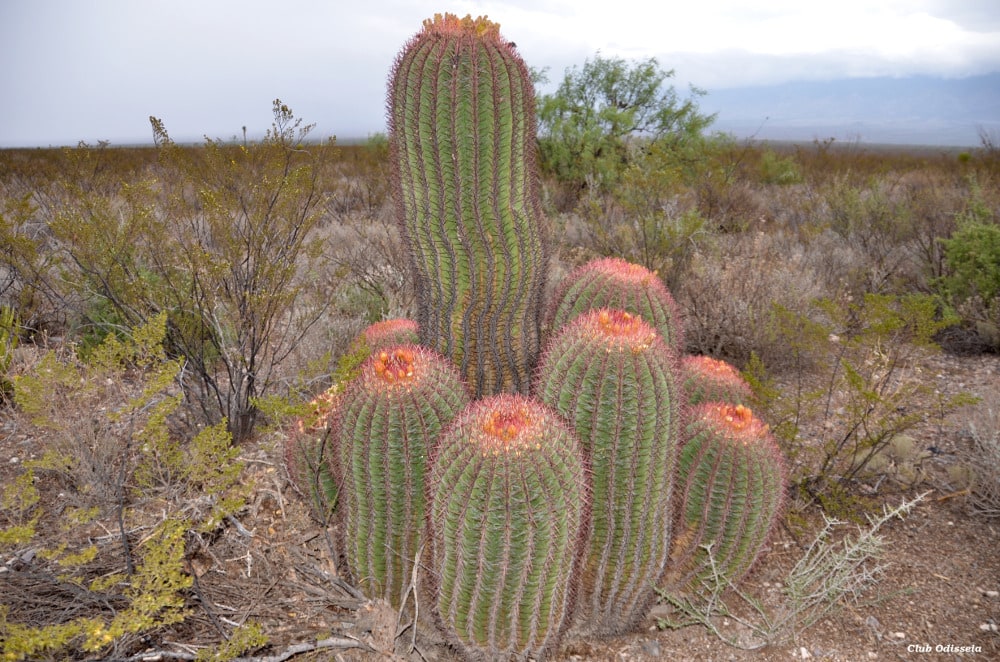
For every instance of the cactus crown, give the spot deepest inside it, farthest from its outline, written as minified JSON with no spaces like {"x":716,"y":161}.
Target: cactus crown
{"x":394,"y":367}
{"x":738,"y":421}
{"x":506,"y":424}
{"x":625,"y":330}
{"x":710,"y":366}
{"x":448,"y":23}
{"x":508,"y":427}
{"x":627,"y":271}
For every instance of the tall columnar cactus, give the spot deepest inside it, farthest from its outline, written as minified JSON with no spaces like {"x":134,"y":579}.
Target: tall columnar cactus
{"x":710,"y":380}
{"x":611,"y":282}
{"x":612,"y":377}
{"x":731,"y":479}
{"x":309,"y":452}
{"x":462,"y":132}
{"x":508,"y":509}
{"x":388,"y":420}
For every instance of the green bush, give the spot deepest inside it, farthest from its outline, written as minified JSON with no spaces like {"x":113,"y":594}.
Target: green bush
{"x":971,"y":284}
{"x":603,"y":115}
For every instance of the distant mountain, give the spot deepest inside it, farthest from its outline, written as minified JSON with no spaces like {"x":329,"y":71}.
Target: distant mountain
{"x":918,"y":110}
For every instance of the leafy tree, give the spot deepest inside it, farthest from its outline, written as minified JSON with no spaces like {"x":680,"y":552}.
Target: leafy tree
{"x":601,"y":115}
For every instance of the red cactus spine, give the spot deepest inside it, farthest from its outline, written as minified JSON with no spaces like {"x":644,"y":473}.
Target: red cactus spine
{"x":711,"y":380}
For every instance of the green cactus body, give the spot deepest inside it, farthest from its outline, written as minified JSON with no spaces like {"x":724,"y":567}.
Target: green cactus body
{"x":710,"y":380}
{"x":617,"y":284}
{"x":508,"y":511}
{"x":309,"y":452}
{"x":731,"y":479}
{"x":462,"y":130}
{"x":389,"y":418}
{"x":612,"y":377}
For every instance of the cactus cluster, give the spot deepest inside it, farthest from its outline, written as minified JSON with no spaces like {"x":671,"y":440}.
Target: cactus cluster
{"x":554,"y":484}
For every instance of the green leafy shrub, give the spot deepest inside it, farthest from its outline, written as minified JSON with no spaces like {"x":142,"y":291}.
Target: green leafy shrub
{"x":596,"y":122}
{"x":971,"y":284}
{"x":781,"y":170}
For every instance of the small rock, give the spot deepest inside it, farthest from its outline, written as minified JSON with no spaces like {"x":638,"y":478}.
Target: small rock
{"x":651,"y":648}
{"x":872,"y":655}
{"x":804,"y":653}
{"x":991,"y":594}
{"x":15,"y":460}
{"x":899,"y":635}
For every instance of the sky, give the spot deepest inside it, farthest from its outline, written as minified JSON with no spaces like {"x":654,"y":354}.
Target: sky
{"x":91,"y":70}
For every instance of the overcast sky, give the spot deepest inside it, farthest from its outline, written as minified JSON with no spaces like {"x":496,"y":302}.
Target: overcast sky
{"x":74,"y":70}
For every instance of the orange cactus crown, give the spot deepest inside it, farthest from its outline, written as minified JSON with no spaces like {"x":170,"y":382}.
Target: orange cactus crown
{"x":448,"y":23}
{"x":395,"y":367}
{"x":626,"y":329}
{"x":709,"y":366}
{"x":509,"y":426}
{"x":737,"y":420}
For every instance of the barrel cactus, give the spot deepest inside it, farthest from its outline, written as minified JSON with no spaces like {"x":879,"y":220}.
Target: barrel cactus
{"x":309,"y":452}
{"x":462,"y":141}
{"x":711,"y":380}
{"x":611,"y":282}
{"x":731,"y":481}
{"x":388,"y":420}
{"x":612,"y":376}
{"x":508,"y":508}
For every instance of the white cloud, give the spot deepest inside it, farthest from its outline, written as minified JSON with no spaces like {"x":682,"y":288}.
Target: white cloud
{"x":96,"y":70}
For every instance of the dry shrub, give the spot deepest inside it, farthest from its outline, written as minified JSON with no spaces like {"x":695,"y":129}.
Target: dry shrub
{"x":729,"y":295}
{"x":984,"y":457}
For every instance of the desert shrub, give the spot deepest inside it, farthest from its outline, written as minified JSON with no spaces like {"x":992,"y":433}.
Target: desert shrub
{"x":359,"y":186}
{"x":222,"y":238}
{"x":776,"y":169}
{"x":99,"y":521}
{"x":983,"y":459}
{"x":971,"y":283}
{"x":834,"y":573}
{"x":604,"y":114}
{"x":864,"y":395}
{"x":9,"y":338}
{"x":729,"y":292}
{"x":878,"y":226}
